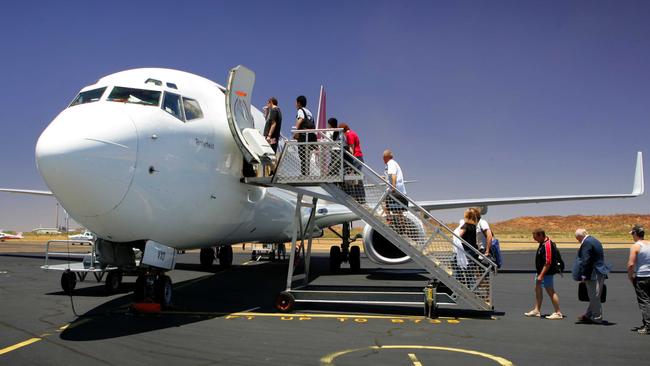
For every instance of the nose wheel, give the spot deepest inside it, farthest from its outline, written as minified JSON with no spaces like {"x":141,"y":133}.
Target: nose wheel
{"x":153,"y":288}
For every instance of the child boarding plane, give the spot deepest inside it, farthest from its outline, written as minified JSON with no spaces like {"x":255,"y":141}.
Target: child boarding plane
{"x":152,"y":155}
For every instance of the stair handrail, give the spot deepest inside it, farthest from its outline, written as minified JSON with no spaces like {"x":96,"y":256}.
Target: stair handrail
{"x":427,"y":213}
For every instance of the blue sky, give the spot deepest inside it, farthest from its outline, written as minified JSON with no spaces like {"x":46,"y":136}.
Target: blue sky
{"x":476,"y":98}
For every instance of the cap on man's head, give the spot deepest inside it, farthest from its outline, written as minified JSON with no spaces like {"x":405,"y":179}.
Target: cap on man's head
{"x":638,"y":230}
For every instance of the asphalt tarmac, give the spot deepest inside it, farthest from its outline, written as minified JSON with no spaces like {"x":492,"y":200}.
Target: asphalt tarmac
{"x":227,"y":316}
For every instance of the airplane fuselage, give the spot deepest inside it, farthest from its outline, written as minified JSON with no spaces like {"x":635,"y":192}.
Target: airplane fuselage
{"x":130,"y":168}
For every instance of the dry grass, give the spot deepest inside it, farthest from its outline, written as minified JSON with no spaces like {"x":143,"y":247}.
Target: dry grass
{"x":515,"y":234}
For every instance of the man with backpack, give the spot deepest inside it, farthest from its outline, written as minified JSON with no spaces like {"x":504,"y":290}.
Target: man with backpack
{"x":548,"y":262}
{"x":304,"y":121}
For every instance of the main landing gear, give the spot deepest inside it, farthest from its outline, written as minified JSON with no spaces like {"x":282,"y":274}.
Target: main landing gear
{"x":345,"y":253}
{"x":223,"y":253}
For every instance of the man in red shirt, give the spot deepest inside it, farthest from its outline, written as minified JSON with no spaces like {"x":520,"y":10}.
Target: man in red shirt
{"x":354,"y":148}
{"x":544,"y":276}
{"x":352,"y":140}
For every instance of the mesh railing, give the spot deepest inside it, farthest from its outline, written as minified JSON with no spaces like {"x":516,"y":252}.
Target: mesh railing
{"x":315,"y":156}
{"x":419,"y":229}
{"x":322,"y":159}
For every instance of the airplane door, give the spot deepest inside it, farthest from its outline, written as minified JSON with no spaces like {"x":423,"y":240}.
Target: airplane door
{"x":240,"y":120}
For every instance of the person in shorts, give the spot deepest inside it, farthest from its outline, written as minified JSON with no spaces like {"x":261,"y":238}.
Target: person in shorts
{"x":544,"y":277}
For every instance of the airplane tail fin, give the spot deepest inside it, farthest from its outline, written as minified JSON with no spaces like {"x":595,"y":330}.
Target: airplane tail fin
{"x":638,"y":188}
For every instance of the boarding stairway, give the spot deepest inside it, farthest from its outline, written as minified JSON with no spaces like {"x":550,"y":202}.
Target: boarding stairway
{"x":315,"y":164}
{"x":426,"y":240}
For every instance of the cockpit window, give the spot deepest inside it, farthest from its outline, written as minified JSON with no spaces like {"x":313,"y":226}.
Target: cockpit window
{"x":136,"y":96}
{"x":154,"y":82}
{"x":172,"y":105}
{"x":192,"y":109}
{"x":88,"y":96}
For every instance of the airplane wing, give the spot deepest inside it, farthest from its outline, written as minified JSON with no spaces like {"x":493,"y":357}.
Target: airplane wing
{"x":637,"y":190}
{"x":333,"y":214}
{"x":27,"y":191}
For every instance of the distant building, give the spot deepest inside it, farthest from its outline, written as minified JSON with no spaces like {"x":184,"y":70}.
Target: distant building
{"x":46,"y":230}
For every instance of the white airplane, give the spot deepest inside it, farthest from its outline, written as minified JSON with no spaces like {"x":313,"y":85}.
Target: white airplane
{"x":149,"y":155}
{"x":5,"y":236}
{"x":86,"y":235}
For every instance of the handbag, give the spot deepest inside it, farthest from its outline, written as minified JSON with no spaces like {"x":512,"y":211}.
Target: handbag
{"x":583,"y":295}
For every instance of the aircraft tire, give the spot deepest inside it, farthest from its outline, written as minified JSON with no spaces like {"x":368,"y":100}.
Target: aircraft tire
{"x":68,"y":281}
{"x":140,"y":289}
{"x":206,"y":257}
{"x":164,"y":291}
{"x":285,"y":302}
{"x":335,"y":258}
{"x":355,"y":259}
{"x":113,"y":281}
{"x":225,"y":256}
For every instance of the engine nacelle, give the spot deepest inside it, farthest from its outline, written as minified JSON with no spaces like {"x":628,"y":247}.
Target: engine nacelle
{"x":381,"y":251}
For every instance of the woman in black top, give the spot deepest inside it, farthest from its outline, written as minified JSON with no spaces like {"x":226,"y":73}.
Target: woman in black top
{"x":468,"y":231}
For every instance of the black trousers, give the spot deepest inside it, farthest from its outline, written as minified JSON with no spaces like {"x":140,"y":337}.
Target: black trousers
{"x":642,"y":288}
{"x":304,"y":151}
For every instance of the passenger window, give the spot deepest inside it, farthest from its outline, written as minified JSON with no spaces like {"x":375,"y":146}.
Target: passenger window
{"x":172,"y":105}
{"x":192,"y":109}
{"x":88,"y":96}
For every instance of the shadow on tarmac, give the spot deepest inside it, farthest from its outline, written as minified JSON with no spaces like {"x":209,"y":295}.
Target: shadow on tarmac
{"x":225,"y":291}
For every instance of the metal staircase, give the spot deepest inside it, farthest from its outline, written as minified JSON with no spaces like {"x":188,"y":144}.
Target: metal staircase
{"x":425,"y":239}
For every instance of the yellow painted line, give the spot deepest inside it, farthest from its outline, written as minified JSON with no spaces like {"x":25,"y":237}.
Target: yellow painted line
{"x":414,"y":360}
{"x":19,"y":345}
{"x":64,"y":327}
{"x":309,"y":316}
{"x":329,"y":359}
{"x":336,"y":316}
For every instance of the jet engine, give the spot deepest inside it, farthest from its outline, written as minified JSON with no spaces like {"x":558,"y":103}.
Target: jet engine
{"x":380,"y":250}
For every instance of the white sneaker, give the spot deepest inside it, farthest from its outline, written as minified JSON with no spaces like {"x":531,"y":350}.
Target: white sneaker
{"x":555,"y":316}
{"x":533,"y":313}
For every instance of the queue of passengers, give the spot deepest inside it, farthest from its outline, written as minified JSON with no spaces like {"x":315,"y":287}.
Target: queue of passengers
{"x":589,"y":267}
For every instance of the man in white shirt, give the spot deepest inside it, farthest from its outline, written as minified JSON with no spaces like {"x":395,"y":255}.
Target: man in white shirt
{"x":304,"y":121}
{"x":396,"y":202}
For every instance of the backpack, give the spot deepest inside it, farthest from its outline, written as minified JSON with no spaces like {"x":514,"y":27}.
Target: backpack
{"x":495,"y":248}
{"x":495,"y":252}
{"x":308,"y":124}
{"x":557,"y":264}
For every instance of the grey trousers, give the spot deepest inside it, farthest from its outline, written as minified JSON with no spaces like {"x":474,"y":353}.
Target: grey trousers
{"x":642,"y":288}
{"x":594,"y":289}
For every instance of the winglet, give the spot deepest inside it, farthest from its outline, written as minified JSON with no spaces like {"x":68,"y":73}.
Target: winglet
{"x":638,"y":188}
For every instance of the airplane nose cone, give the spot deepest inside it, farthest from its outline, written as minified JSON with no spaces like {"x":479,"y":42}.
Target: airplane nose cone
{"x":87,"y":157}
